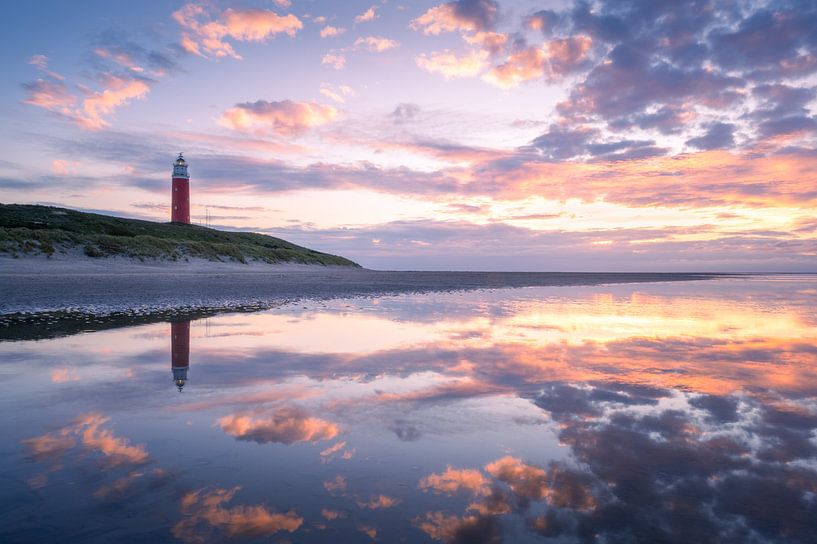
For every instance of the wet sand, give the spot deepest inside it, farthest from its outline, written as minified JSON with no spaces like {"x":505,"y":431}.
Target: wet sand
{"x":100,"y":287}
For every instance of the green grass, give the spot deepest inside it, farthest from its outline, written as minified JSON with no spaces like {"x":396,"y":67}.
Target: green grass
{"x":34,"y":230}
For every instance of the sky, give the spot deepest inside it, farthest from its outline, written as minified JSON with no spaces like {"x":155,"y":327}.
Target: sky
{"x":620,"y":135}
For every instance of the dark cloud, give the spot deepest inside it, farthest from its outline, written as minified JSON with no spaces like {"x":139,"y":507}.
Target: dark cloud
{"x":660,"y":64}
{"x":720,"y":409}
{"x":717,"y":136}
{"x":405,"y":431}
{"x":482,"y":13}
{"x":405,"y":112}
{"x":547,"y":21}
{"x":788,"y":125}
{"x":766,"y":38}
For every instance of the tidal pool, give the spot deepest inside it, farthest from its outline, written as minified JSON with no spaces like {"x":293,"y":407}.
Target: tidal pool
{"x":660,"y":412}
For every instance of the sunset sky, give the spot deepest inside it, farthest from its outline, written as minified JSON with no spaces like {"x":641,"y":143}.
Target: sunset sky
{"x":482,"y":135}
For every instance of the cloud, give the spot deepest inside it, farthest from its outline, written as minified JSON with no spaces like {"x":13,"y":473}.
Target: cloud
{"x":283,"y":117}
{"x":41,"y":62}
{"x":55,"y":96}
{"x":473,"y":529}
{"x":335,"y":59}
{"x":284,"y":425}
{"x":491,"y":42}
{"x":368,"y":15}
{"x":378,"y":502}
{"x":336,"y":485}
{"x":205,"y":511}
{"x":449,"y":65}
{"x":87,"y":431}
{"x":118,"y":91}
{"x":203,"y":36}
{"x":375,"y":44}
{"x":50,"y":95}
{"x":337,"y":93}
{"x":461,"y":15}
{"x":330,"y":31}
{"x":405,"y":112}
{"x":522,"y":66}
{"x":453,"y":480}
{"x":717,"y":136}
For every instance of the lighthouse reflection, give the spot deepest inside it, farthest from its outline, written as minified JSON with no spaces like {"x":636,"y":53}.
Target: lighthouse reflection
{"x":180,"y":352}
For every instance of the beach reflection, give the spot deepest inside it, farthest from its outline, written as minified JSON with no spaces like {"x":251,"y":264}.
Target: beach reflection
{"x":656,"y":412}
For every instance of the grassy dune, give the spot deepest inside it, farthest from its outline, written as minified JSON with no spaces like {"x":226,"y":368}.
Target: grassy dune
{"x":33,"y":230}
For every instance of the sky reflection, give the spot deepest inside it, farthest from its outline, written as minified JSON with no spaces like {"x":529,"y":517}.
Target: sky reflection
{"x":644,"y":412}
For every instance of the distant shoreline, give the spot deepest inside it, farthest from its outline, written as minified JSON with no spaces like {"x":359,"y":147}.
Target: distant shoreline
{"x":33,"y":291}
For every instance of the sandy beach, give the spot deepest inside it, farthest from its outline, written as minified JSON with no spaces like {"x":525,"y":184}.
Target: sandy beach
{"x":99,"y":287}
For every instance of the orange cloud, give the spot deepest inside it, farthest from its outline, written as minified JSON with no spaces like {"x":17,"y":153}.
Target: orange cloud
{"x":283,"y":117}
{"x":203,"y":36}
{"x":449,"y":65}
{"x":524,"y":480}
{"x":205,"y":511}
{"x":522,"y":66}
{"x":453,"y":480}
{"x":285,"y":426}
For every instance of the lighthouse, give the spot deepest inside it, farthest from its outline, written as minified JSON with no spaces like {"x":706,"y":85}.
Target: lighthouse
{"x":180,"y":213}
{"x":180,"y":352}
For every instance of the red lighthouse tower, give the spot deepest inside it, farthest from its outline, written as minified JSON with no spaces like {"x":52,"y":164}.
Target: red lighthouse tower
{"x":180,"y":352}
{"x":181,"y":192}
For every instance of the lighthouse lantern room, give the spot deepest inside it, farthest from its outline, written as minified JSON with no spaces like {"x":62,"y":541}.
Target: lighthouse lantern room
{"x":180,"y":212}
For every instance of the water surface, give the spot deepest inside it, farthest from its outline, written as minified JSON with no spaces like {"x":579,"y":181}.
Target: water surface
{"x":667,"y":412}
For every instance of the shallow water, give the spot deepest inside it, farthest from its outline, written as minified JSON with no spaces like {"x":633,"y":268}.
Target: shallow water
{"x":680,"y":412}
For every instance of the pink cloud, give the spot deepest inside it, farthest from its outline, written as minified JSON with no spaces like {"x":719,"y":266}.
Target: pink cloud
{"x":368,"y":15}
{"x":203,"y":36}
{"x":378,"y":502}
{"x":336,"y":485}
{"x":337,"y":93}
{"x":521,"y":66}
{"x":449,"y":65}
{"x":205,"y":511}
{"x":330,"y":31}
{"x":456,"y":16}
{"x":117,"y":91}
{"x":283,"y":117}
{"x":335,"y":59}
{"x":50,"y":95}
{"x":452,"y":480}
{"x":284,"y":425}
{"x":41,"y":62}
{"x":92,"y":436}
{"x":62,"y":375}
{"x":492,"y":42}
{"x":375,"y":44}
